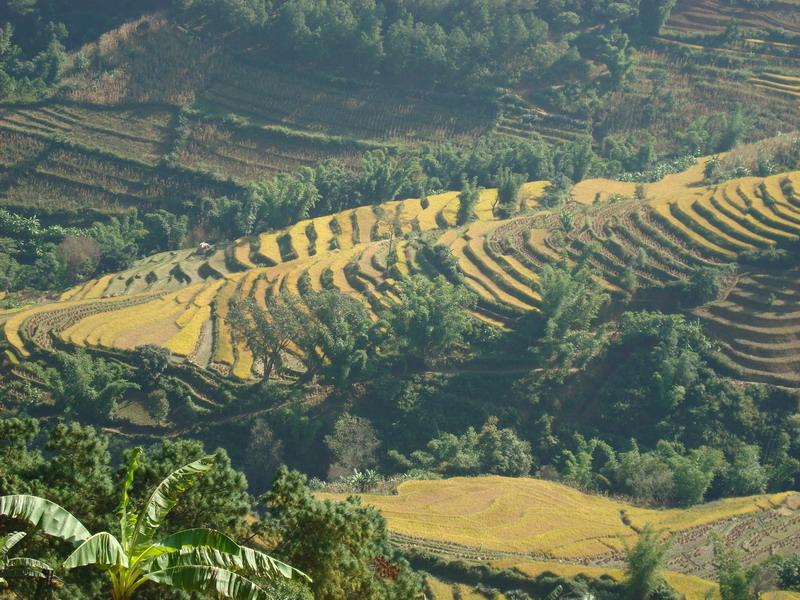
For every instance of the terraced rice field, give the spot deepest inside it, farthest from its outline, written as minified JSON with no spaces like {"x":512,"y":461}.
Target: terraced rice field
{"x":268,"y":96}
{"x":757,"y":327}
{"x":714,"y":15}
{"x":56,"y":178}
{"x":764,"y":78}
{"x":535,"y":526}
{"x":542,"y":518}
{"x":140,"y":133}
{"x":362,"y":252}
{"x":786,"y":85}
{"x":252,"y":153}
{"x":182,"y":292}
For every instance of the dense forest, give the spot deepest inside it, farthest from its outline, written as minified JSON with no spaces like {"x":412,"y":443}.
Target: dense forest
{"x":384,"y":242}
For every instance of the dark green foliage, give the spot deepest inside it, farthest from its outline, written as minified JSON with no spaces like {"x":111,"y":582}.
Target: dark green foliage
{"x":442,"y":258}
{"x":467,"y":201}
{"x":220,"y":497}
{"x":653,"y":14}
{"x":28,"y":71}
{"x":746,"y":476}
{"x":508,"y":186}
{"x":73,"y":471}
{"x":643,"y":567}
{"x":704,"y":284}
{"x":268,"y":337}
{"x":339,"y":338}
{"x":490,"y":450}
{"x":432,"y":317}
{"x":734,"y":581}
{"x":717,"y":132}
{"x":562,"y":334}
{"x":89,"y":387}
{"x":789,"y":573}
{"x":336,"y":543}
{"x":353,"y":443}
{"x":667,"y":476}
{"x":263,"y":455}
{"x":334,"y":331}
{"x":557,"y":192}
{"x":448,"y":42}
{"x":165,"y":231}
{"x":157,"y":405}
{"x":613,"y":49}
{"x":151,"y":361}
{"x":522,"y":587}
{"x":281,"y":201}
{"x":660,"y":385}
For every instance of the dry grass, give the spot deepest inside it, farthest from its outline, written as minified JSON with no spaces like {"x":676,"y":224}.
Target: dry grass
{"x":149,"y":60}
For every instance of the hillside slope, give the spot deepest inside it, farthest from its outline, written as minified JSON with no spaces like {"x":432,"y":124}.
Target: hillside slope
{"x":180,"y":299}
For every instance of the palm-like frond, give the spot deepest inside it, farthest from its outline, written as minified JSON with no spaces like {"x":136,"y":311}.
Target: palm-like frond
{"x":244,"y":561}
{"x":209,"y":580}
{"x":101,"y":549}
{"x":11,"y":540}
{"x":189,"y":538}
{"x":200,"y":537}
{"x":47,"y":516}
{"x":126,"y":521}
{"x":26,"y":568}
{"x":164,"y":498}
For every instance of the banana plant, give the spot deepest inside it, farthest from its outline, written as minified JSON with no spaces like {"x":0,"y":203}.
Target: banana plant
{"x":21,"y":567}
{"x":193,"y":560}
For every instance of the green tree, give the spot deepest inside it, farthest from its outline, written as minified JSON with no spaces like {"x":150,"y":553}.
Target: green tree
{"x":281,"y":201}
{"x":165,"y":231}
{"x":490,"y":450}
{"x":151,"y":363}
{"x":579,"y":466}
{"x":193,"y":560}
{"x":353,"y":442}
{"x":91,"y":387}
{"x":746,"y":475}
{"x":734,"y":582}
{"x":502,"y":452}
{"x":341,"y":545}
{"x":383,"y":176}
{"x":219,"y":497}
{"x":653,"y":14}
{"x":561,"y":333}
{"x":643,"y":564}
{"x":263,"y":456}
{"x":269,"y":333}
{"x":338,"y":336}
{"x":467,"y":201}
{"x":704,"y":284}
{"x":508,"y":187}
{"x":432,"y":316}
{"x":789,"y":573}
